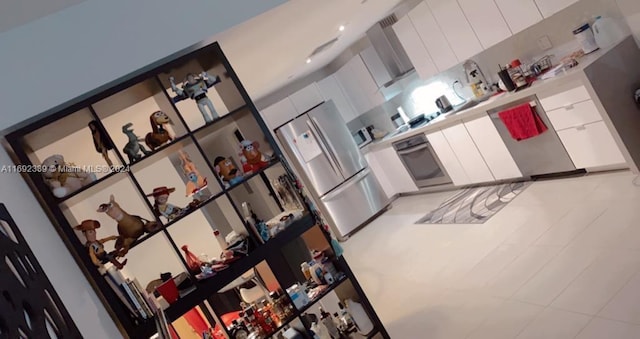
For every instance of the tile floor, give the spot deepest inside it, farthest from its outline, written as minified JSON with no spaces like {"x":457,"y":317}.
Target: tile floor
{"x":560,"y":261}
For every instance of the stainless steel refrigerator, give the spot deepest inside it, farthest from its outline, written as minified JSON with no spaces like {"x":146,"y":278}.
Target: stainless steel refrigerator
{"x":330,"y":163}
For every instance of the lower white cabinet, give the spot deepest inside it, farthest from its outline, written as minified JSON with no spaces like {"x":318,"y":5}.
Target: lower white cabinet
{"x":448,"y":158}
{"x":390,"y":172}
{"x":493,"y":150}
{"x":591,"y":145}
{"x":468,"y":154}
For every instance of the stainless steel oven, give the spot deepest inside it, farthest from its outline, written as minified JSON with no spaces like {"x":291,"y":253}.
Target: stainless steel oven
{"x":421,"y":161}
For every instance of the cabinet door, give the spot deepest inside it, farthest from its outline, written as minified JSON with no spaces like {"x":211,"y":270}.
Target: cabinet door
{"x":415,"y":48}
{"x":380,"y":173}
{"x":492,"y":148}
{"x":519,"y":14}
{"x":331,"y":90}
{"x":306,"y":98}
{"x":591,"y":145}
{"x":375,"y":66}
{"x":551,"y":7}
{"x":468,"y":154}
{"x":432,"y":37}
{"x":448,"y":158}
{"x":456,"y":28}
{"x":359,"y":86}
{"x":486,"y":20}
{"x":396,"y":174}
{"x":279,"y":113}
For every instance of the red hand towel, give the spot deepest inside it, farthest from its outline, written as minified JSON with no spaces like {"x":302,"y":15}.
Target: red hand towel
{"x":522,"y":122}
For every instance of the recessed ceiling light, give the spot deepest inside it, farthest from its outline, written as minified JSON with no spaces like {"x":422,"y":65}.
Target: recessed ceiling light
{"x":341,"y":28}
{"x":309,"y":60}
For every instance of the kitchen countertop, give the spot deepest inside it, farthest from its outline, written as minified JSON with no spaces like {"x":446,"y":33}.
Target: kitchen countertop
{"x":570,"y":76}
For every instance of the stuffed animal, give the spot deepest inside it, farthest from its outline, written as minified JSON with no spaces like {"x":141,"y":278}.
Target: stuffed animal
{"x":252,"y":159}
{"x":227,"y":171}
{"x":158,"y":135}
{"x":64,"y":178}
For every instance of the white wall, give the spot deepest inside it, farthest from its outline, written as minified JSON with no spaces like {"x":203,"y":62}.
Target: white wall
{"x":59,"y":57}
{"x":631,"y":10}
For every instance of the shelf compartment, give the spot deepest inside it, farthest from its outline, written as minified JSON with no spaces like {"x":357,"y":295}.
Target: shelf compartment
{"x":136,"y":105}
{"x":165,"y":169}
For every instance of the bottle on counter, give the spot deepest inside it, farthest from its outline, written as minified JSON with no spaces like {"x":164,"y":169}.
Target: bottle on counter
{"x":329,"y":323}
{"x":345,"y":317}
{"x":320,"y":331}
{"x":306,"y":270}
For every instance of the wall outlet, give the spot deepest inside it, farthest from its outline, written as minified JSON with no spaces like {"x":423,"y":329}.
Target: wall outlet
{"x":544,"y":43}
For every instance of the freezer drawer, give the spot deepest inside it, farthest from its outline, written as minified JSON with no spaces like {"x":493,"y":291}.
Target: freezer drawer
{"x":354,"y":202}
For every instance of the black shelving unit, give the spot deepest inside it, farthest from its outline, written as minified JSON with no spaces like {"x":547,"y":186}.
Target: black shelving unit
{"x":64,"y":130}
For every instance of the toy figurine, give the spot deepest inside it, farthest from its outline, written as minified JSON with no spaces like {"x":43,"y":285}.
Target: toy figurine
{"x":96,"y":247}
{"x":133,"y":147}
{"x":130,"y":227}
{"x":195,"y":87}
{"x":161,"y":207}
{"x":64,"y":178}
{"x":195,"y":182}
{"x":159,"y":135}
{"x":101,"y":141}
{"x":252,"y":159}
{"x":227,"y":171}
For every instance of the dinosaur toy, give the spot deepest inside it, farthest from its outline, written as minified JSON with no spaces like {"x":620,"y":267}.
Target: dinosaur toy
{"x":133,"y":147}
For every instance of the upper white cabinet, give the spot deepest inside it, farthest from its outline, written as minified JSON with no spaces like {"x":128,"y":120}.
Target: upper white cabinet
{"x":359,"y":86}
{"x":448,"y":158}
{"x":456,"y":28}
{"x":432,"y":37}
{"x":551,"y":7}
{"x":375,"y":66}
{"x":519,"y":14}
{"x":468,"y":154}
{"x":306,"y":98}
{"x":331,"y":90}
{"x":279,"y":113}
{"x":415,"y":48}
{"x":486,"y":20}
{"x":493,"y":150}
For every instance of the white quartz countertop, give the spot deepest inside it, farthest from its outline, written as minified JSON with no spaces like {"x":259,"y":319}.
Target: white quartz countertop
{"x":571,"y":75}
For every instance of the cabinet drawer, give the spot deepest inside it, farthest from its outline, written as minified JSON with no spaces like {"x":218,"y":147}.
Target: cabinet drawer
{"x":591,"y":145}
{"x":574,"y":115}
{"x":566,"y":98}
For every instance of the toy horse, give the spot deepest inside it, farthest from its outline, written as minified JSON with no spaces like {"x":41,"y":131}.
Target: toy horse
{"x":130,"y":227}
{"x":133,"y":147}
{"x":159,"y":135}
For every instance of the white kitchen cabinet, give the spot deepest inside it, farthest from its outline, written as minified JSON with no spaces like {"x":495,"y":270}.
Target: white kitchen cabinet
{"x":551,"y":7}
{"x":376,"y":67}
{"x":306,"y":98}
{"x":455,"y":28}
{"x":359,"y":86}
{"x":415,"y":48}
{"x":519,"y":14}
{"x":574,"y":115}
{"x":279,"y":113}
{"x":448,"y":158}
{"x":486,"y":20}
{"x":468,"y":154}
{"x":432,"y":37}
{"x":331,"y":90}
{"x":492,"y":148}
{"x":390,"y":172}
{"x":591,"y":145}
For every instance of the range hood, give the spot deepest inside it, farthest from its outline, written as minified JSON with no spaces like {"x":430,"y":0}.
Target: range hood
{"x":390,"y":51}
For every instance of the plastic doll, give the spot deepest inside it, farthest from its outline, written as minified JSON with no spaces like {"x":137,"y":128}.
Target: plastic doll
{"x":227,"y":171}
{"x":195,"y":182}
{"x":96,"y":247}
{"x":252,"y":159}
{"x":101,"y":141}
{"x":161,"y":206}
{"x":195,"y":87}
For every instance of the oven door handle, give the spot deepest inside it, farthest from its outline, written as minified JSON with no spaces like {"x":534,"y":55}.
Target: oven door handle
{"x":413,"y":149}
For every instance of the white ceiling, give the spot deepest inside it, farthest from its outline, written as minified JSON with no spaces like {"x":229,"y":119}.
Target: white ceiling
{"x":14,"y":13}
{"x":269,"y":49}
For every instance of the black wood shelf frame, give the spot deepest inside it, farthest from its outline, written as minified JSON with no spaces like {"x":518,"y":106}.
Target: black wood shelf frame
{"x":129,"y":325}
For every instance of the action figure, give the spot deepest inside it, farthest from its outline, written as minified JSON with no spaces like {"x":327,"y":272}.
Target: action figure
{"x":195,"y":87}
{"x":101,"y":141}
{"x":162,"y":207}
{"x":195,"y":182}
{"x":252,"y":159}
{"x":133,"y":147}
{"x":96,"y":247}
{"x":227,"y":171}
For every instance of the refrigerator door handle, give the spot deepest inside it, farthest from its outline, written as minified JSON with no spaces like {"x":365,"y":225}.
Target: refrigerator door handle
{"x":326,"y":151}
{"x":330,"y":150}
{"x":359,"y":177}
